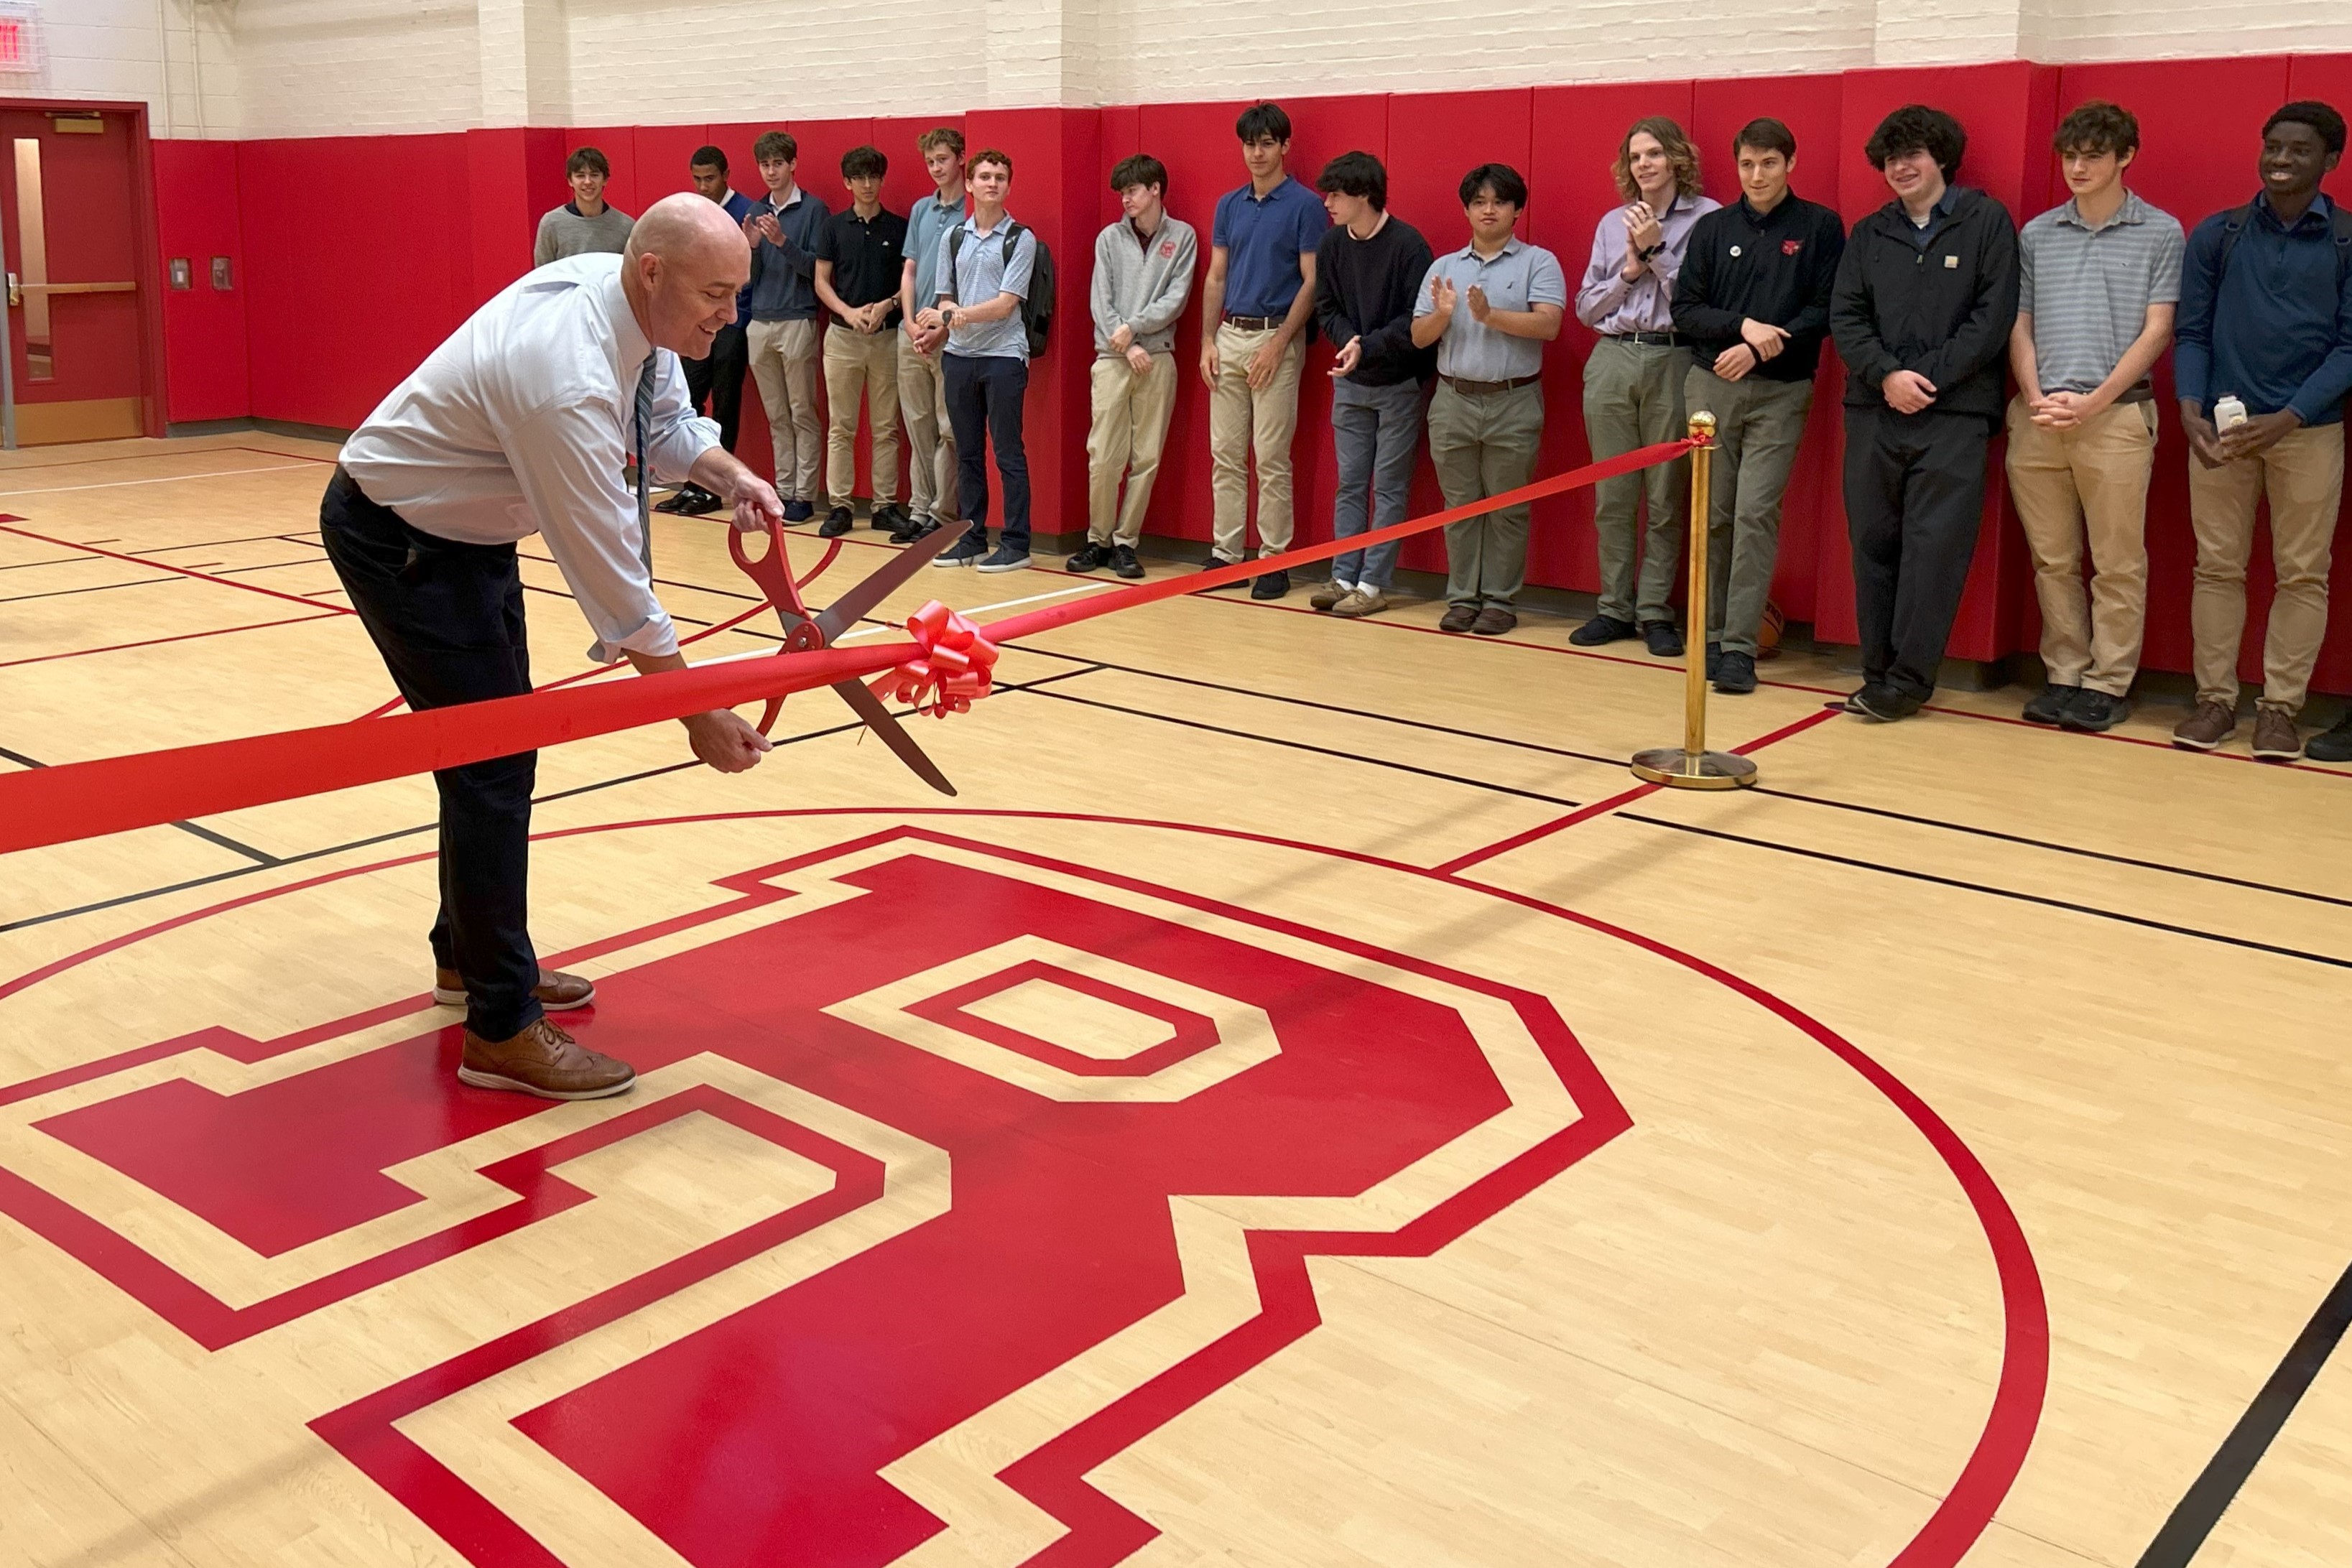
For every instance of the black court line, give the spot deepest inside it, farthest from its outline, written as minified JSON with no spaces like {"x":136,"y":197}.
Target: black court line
{"x":663,"y":581}
{"x":2036,"y":898}
{"x":1319,"y":750}
{"x":1821,"y":800}
{"x":207,"y":544}
{"x":259,"y":858}
{"x":101,"y":587}
{"x":299,"y":858}
{"x":2056,"y":847}
{"x":61,"y":560}
{"x":269,"y":566}
{"x":2217,"y":1486}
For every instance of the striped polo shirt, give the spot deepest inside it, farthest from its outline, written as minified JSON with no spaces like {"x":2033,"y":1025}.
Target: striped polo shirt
{"x":2088,"y":290}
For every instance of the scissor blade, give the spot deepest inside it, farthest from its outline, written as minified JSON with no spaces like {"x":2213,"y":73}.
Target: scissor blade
{"x":851,"y":608}
{"x":879,"y":718}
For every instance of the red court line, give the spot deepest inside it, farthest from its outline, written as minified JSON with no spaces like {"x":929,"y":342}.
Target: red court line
{"x":1601,"y":808}
{"x":154,"y":641}
{"x":1960,"y":1516}
{"x":6,"y":517}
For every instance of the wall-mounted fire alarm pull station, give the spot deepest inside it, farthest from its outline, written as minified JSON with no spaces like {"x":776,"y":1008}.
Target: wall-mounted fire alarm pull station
{"x":182,"y":274}
{"x":221,"y":280}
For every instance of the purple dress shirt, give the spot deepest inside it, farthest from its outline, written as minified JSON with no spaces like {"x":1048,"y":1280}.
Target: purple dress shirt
{"x":1610,"y":305}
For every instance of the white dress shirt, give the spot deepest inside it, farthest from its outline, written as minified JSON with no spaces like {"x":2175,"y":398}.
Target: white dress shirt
{"x":521,"y":423}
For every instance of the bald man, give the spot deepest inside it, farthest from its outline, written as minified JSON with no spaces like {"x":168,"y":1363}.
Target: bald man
{"x":523,"y":424}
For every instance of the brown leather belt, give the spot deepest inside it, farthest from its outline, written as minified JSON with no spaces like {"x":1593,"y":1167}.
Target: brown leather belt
{"x":1254,"y":323}
{"x":1487,"y":388}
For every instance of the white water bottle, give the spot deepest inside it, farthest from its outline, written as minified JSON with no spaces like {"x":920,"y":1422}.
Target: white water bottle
{"x":2228,"y":413}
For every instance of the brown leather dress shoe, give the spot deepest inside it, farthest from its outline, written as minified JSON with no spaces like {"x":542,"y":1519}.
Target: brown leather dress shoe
{"x":1493,"y":620}
{"x":1458,"y":618}
{"x":557,"y":992}
{"x":543,"y":1061}
{"x":2276,"y":739}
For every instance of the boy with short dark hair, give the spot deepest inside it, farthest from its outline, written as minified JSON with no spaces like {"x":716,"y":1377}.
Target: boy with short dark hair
{"x":1754,"y":300}
{"x":1924,"y":297}
{"x":985,"y":268}
{"x":1143,"y":274}
{"x":1255,"y":306}
{"x":860,"y":255}
{"x":2266,"y":318}
{"x":2098,"y":278}
{"x":586,"y":223}
{"x":1368,"y":269}
{"x":717,"y":378}
{"x":784,"y":332}
{"x":1489,"y":308}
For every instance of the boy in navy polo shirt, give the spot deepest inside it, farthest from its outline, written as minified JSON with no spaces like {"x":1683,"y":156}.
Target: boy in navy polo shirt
{"x":1260,"y":292}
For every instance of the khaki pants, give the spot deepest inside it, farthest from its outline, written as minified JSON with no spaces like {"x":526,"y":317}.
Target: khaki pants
{"x":1243,"y":422}
{"x":1633,"y":397}
{"x":1759,"y":425}
{"x":1483,"y":443}
{"x":2066,"y":483}
{"x":930,"y":441}
{"x":1129,"y":431}
{"x":861,"y":364}
{"x":2304,"y":477}
{"x":783,"y":363}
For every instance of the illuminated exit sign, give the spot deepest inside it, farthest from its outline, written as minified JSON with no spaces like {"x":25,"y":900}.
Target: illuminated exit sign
{"x":20,"y":37}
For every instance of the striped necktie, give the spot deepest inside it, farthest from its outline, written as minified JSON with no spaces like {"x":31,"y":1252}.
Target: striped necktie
{"x":645,"y":417}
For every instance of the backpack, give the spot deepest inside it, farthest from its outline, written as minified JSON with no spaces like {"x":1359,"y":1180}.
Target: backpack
{"x":1037,"y":304}
{"x":2234,"y":223}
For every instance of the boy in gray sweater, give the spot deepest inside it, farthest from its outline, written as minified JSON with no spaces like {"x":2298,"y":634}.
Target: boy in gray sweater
{"x":583,"y":225}
{"x":1143,"y":274}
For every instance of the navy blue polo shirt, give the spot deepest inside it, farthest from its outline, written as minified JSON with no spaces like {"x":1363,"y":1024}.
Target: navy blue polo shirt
{"x":1263,"y":237}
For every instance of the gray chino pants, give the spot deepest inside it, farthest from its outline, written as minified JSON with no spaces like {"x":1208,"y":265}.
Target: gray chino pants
{"x":1758,"y":424}
{"x":1633,"y":397}
{"x":1374,"y":431}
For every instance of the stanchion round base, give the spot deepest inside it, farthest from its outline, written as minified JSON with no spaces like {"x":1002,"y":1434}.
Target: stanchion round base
{"x":1680,"y":770}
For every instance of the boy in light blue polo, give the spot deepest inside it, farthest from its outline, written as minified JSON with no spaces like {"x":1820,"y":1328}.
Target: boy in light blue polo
{"x":1490,"y":307}
{"x":983,"y":272}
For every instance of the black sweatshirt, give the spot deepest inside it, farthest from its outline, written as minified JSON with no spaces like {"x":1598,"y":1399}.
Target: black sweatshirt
{"x":1366,"y":288}
{"x":1943,"y":308}
{"x":1777,"y":269}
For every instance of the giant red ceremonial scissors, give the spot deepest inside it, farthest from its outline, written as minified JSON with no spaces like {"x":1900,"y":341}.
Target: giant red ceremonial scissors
{"x":804,"y":632}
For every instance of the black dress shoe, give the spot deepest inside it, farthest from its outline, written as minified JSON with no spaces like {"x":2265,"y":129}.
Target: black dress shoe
{"x":1602,"y":628}
{"x":1714,"y":659}
{"x":888,"y":518}
{"x":837,"y":523}
{"x":1123,"y":561}
{"x":703,"y":503}
{"x":1089,"y":558}
{"x":1882,"y":703}
{"x":1663,"y":639}
{"x":1273,"y":585}
{"x":2050,"y":704}
{"x":678,"y":503}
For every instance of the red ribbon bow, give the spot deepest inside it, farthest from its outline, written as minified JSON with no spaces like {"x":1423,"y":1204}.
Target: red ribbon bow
{"x":956,"y":670}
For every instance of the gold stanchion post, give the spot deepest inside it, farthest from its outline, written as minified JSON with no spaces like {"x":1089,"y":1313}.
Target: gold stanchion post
{"x":1691,"y":766}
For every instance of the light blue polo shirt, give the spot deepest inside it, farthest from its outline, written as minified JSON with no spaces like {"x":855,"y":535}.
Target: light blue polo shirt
{"x":981,"y":275}
{"x":931,"y":218}
{"x":1518,"y":278}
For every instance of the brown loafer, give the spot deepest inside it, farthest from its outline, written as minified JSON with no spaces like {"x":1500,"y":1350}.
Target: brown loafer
{"x":1493,"y":620}
{"x":543,"y":1061}
{"x":557,"y":992}
{"x":1458,"y":618}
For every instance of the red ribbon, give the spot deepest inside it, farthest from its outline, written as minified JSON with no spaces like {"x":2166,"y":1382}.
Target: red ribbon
{"x":956,"y":669}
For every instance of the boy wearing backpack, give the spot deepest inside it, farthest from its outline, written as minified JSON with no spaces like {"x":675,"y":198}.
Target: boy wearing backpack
{"x":2266,"y":321}
{"x":989,"y":267}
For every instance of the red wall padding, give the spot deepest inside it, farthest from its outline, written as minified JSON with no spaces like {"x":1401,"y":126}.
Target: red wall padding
{"x":329,"y":315}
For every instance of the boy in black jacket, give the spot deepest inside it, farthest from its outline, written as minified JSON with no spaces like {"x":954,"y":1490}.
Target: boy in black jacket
{"x":1368,"y":272}
{"x":1753,"y":298}
{"x":1925,"y":297}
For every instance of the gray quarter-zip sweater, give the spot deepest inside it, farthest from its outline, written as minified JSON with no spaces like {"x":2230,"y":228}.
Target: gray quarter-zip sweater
{"x":1142,"y":283}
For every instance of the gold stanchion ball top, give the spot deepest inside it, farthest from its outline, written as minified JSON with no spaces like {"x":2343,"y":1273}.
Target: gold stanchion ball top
{"x":1702,"y":427}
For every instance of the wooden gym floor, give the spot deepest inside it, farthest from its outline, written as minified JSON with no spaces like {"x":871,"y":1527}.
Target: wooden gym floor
{"x":1299,"y":1106}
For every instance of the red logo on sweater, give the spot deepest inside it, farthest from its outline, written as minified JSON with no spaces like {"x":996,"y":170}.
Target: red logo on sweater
{"x":1791,"y":247}
{"x":1168,"y":248}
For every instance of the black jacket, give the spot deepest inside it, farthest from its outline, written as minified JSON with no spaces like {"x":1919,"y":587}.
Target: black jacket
{"x":1943,"y":310}
{"x":1778,"y":268}
{"x":1366,"y":288}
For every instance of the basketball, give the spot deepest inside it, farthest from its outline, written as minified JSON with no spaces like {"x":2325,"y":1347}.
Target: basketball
{"x":1767,"y":636}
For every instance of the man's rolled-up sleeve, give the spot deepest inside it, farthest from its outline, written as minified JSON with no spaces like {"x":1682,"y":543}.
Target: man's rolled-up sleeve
{"x":568,"y":463}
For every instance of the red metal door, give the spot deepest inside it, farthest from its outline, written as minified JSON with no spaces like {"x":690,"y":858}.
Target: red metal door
{"x":69,"y":223}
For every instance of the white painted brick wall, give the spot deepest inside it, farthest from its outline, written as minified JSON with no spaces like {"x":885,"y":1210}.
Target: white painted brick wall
{"x":299,"y":67}
{"x":117,"y":49}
